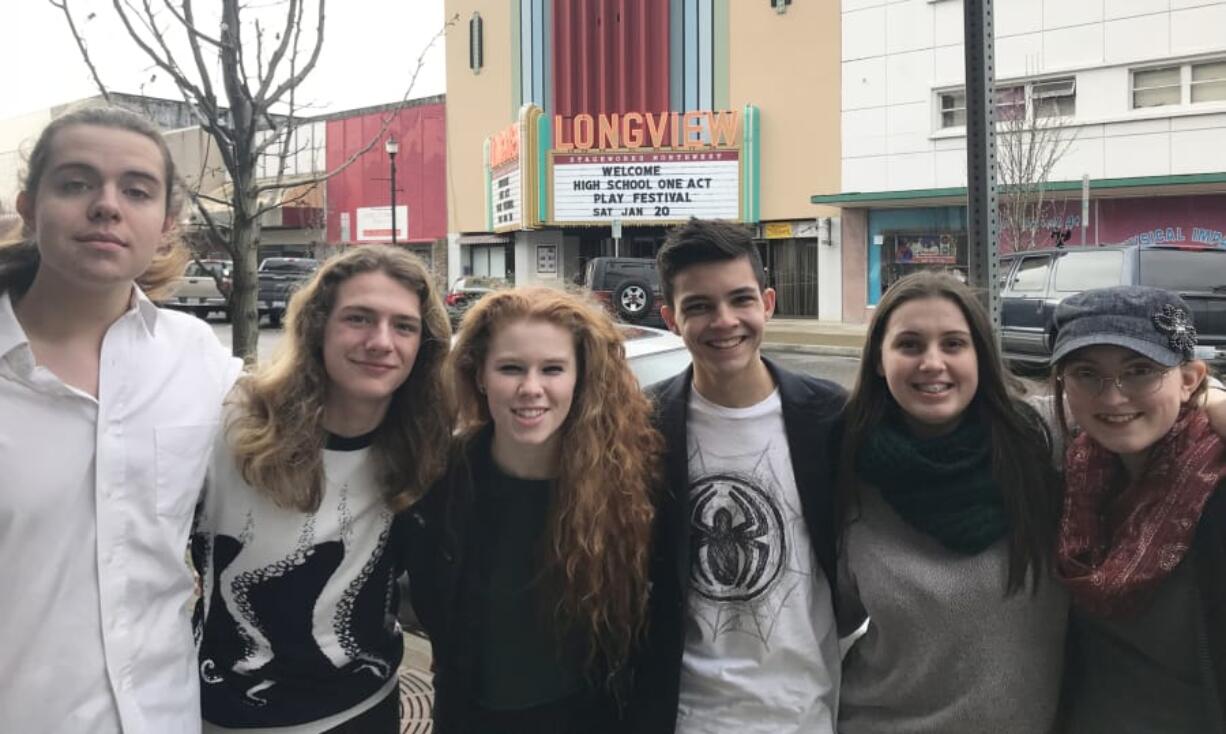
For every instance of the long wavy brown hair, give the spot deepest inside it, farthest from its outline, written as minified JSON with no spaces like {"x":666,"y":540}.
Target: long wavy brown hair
{"x":19,"y":257}
{"x":598,"y":546}
{"x":276,"y":430}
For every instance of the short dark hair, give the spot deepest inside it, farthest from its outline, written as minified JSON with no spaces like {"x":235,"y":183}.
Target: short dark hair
{"x":702,"y":241}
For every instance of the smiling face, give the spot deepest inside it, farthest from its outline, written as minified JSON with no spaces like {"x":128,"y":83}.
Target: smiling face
{"x":371,"y":341}
{"x":721,"y":312}
{"x":99,"y":213}
{"x":529,"y":379}
{"x":929,"y":363}
{"x":1127,"y":425}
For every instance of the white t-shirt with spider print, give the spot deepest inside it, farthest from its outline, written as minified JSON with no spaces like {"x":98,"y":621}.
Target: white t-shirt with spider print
{"x":761,"y":645}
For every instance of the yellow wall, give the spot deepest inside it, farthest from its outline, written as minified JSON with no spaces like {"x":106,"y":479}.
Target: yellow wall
{"x":788,"y":65}
{"x":478,"y":105}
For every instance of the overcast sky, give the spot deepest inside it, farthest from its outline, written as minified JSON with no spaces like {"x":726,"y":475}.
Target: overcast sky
{"x":370,"y":49}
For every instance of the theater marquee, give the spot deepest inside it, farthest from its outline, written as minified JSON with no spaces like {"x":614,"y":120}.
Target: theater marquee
{"x":639,"y":168}
{"x":652,"y":186}
{"x":510,"y":169}
{"x":653,"y":168}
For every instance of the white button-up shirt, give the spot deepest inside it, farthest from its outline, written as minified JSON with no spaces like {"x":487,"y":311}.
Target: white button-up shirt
{"x":96,"y":500}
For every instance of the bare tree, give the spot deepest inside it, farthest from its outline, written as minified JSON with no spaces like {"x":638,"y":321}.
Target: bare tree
{"x":1029,"y":144}
{"x":241,"y":84}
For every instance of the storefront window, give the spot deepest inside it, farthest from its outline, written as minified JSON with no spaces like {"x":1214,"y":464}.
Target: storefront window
{"x":486,"y":261}
{"x":907,"y":252}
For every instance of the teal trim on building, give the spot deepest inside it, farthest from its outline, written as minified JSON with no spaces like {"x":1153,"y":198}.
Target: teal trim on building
{"x":694,"y":53}
{"x":865,"y":198}
{"x":751,"y":157}
{"x":544,"y":138}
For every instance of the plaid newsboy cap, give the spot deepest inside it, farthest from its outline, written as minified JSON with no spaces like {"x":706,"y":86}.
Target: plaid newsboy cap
{"x":1153,"y":322}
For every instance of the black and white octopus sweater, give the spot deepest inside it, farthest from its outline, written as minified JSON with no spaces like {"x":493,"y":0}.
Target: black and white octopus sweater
{"x":297,"y":622}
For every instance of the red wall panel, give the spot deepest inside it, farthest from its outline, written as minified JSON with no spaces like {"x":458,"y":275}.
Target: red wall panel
{"x":421,"y":170}
{"x":610,"y":56}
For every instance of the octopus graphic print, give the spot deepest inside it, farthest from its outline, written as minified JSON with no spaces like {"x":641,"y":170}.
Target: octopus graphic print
{"x":741,"y":542}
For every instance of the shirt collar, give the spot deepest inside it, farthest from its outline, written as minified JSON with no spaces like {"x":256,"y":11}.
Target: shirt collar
{"x":148,"y":311}
{"x":13,"y":336}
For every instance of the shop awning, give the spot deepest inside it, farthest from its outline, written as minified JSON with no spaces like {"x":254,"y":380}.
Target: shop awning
{"x":1190,"y":184}
{"x":484,"y":238}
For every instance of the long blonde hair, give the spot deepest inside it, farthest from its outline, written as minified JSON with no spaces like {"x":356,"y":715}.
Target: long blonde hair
{"x":276,"y":432}
{"x":597,"y":549}
{"x":19,"y":259}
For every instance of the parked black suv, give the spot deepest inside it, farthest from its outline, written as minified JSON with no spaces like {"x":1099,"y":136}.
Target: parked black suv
{"x":279,"y":277}
{"x":1033,"y":282}
{"x":628,"y":286}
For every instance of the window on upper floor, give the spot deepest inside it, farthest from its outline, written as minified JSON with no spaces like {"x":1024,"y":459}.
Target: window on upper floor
{"x":1156,"y":87}
{"x":1209,"y":81}
{"x":953,"y":109}
{"x":1054,"y":97}
{"x":476,"y":43}
{"x":1020,"y":101}
{"x":1010,"y":102}
{"x":1194,"y":82}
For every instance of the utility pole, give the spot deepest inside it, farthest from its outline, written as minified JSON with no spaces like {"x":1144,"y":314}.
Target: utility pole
{"x":981,"y":211}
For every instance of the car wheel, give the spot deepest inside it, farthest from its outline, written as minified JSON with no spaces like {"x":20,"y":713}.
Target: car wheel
{"x":202,"y":313}
{"x":274,"y":319}
{"x":632,"y":298}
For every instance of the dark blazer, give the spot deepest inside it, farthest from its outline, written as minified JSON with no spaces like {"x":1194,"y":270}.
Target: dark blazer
{"x":438,"y":542}
{"x":811,"y":408}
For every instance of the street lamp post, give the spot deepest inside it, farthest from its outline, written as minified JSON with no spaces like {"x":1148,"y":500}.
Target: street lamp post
{"x":392,"y":148}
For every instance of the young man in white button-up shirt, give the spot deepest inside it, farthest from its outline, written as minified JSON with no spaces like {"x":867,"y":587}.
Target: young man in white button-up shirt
{"x":107,"y":410}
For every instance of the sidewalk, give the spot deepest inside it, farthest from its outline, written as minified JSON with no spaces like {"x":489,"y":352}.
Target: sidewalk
{"x":812,"y":336}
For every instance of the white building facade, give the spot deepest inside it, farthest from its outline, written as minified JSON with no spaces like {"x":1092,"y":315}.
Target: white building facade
{"x":1136,"y":87}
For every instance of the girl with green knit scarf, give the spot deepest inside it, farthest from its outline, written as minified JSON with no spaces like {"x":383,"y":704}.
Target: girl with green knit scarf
{"x":950,"y":505}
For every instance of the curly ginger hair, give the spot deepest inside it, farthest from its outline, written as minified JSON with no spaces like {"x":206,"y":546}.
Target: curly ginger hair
{"x":598,"y":544}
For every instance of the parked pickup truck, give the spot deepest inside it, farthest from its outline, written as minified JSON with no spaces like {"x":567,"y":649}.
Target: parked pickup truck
{"x":198,"y":291}
{"x":279,"y":277}
{"x":1034,"y":282}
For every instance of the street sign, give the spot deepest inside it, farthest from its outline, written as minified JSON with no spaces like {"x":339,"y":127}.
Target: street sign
{"x":1085,"y":206}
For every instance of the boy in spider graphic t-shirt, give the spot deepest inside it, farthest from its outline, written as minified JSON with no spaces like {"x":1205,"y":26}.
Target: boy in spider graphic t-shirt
{"x":742,"y":635}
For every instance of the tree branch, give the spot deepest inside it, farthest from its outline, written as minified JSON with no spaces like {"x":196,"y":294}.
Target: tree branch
{"x":80,"y":40}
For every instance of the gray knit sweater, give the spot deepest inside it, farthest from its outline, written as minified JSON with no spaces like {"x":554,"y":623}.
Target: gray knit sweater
{"x":945,"y":650}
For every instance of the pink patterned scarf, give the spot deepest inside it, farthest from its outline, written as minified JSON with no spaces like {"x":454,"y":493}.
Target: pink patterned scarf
{"x":1115,"y":547}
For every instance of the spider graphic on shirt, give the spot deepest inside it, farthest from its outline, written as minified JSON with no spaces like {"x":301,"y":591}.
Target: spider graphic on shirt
{"x":734,"y":528}
{"x":741,"y":570}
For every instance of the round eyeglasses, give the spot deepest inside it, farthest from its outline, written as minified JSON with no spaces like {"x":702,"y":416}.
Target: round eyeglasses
{"x":1134,"y":382}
